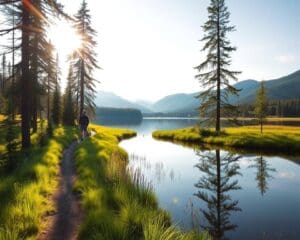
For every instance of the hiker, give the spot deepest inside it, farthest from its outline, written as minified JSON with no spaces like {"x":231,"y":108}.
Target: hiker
{"x":83,"y":123}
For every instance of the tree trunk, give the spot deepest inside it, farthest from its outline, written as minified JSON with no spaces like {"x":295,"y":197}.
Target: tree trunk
{"x":81,"y":87}
{"x":25,"y":79}
{"x":13,"y":70}
{"x":34,"y":97}
{"x":218,"y":113}
{"x":48,"y":99}
{"x":261,"y":126}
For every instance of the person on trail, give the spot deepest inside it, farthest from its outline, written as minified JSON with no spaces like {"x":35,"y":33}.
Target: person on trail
{"x":83,"y":123}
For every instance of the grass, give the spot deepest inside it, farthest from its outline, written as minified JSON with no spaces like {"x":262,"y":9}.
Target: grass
{"x":25,"y":192}
{"x":272,"y":119}
{"x":274,"y":138}
{"x":2,"y":118}
{"x":118,"y":204}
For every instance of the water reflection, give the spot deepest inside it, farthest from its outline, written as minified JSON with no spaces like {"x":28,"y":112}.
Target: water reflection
{"x":155,"y":171}
{"x":214,"y":187}
{"x":263,"y":173}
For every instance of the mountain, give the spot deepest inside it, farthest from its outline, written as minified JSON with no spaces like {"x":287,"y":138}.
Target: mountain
{"x":287,"y":87}
{"x":283,"y":88}
{"x":111,"y":100}
{"x":177,"y":103}
{"x":145,"y":104}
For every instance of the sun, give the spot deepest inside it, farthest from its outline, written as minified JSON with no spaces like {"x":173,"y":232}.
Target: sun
{"x":64,"y":37}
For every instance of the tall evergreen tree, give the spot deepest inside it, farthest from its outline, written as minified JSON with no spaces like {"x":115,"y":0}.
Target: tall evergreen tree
{"x":27,"y":11}
{"x":84,"y":59}
{"x":4,"y":74}
{"x":261,"y":105}
{"x":213,"y":72}
{"x":56,"y":105}
{"x":26,"y":85}
{"x":69,"y":111}
{"x":50,"y":83}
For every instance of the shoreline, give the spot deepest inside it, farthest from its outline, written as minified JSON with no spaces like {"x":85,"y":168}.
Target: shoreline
{"x":118,"y":204}
{"x":282,"y":139}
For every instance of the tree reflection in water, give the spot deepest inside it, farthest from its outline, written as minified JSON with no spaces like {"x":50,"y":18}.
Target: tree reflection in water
{"x":214,"y":188}
{"x":263,"y":173}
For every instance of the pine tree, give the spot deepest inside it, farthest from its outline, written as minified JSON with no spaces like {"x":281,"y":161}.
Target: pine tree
{"x":84,"y":60}
{"x":24,"y":24}
{"x":69,"y":111}
{"x":4,"y":74}
{"x":261,"y":105}
{"x":50,"y":80}
{"x":56,"y":105}
{"x":213,"y":72}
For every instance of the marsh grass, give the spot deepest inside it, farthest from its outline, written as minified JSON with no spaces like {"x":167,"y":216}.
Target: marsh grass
{"x":25,"y":192}
{"x":274,"y":138}
{"x":118,"y":202}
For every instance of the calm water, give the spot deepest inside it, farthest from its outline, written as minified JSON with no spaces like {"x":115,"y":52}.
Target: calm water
{"x":233,"y":196}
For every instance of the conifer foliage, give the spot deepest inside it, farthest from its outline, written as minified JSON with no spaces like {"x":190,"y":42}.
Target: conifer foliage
{"x":29,"y":19}
{"x":84,"y":60}
{"x":56,"y":105}
{"x":214,"y":75}
{"x":261,"y":107}
{"x":69,"y":101}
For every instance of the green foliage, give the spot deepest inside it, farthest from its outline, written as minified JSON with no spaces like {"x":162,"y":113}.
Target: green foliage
{"x":3,"y":104}
{"x":213,"y":72}
{"x":25,"y":192}
{"x":261,"y":107}
{"x":56,"y":106}
{"x":11,"y":144}
{"x":118,"y":115}
{"x":50,"y":129}
{"x":118,"y":204}
{"x":69,"y":111}
{"x":275,"y":138}
{"x":83,"y":60}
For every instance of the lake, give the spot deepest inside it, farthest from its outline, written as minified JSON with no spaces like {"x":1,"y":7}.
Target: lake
{"x":233,"y":196}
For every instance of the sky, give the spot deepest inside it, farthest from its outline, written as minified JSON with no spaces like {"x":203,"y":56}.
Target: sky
{"x":147,"y":48}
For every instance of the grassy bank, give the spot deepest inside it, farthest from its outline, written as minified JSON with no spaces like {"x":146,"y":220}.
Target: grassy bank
{"x":274,"y":138}
{"x":117,"y":206}
{"x":25,"y":193}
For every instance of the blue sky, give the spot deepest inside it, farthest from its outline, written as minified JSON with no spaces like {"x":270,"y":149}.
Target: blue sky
{"x":148,"y":48}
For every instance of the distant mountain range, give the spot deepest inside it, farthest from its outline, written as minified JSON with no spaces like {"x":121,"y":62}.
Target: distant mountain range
{"x":111,"y":100}
{"x":287,"y":87}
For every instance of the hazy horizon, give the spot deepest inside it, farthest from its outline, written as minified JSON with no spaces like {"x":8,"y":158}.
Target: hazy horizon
{"x":148,"y":49}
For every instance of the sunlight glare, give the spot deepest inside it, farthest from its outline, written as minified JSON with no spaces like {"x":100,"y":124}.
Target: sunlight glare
{"x":64,"y":37}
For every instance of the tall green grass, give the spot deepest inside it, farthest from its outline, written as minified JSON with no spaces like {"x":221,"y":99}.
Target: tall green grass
{"x":117,"y":204}
{"x":274,"y":138}
{"x":25,"y":193}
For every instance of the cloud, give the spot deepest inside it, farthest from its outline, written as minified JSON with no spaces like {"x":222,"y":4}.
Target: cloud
{"x":287,"y":175}
{"x":285,"y":59}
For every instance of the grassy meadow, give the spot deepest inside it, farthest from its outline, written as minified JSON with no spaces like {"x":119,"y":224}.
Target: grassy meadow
{"x":274,"y":138}
{"x":117,"y":203}
{"x":25,"y":192}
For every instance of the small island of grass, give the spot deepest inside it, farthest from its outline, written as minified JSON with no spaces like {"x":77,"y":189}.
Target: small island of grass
{"x":274,"y":138}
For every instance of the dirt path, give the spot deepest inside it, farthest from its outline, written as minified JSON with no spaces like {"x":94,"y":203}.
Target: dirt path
{"x":64,"y":223}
